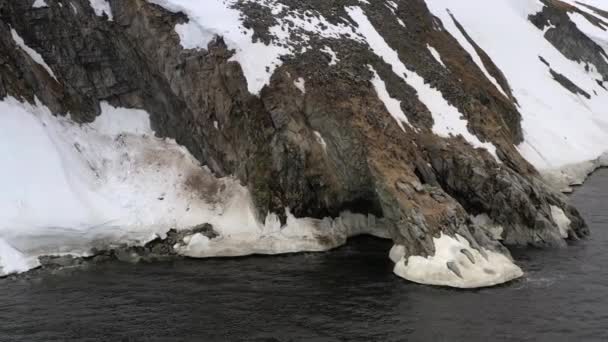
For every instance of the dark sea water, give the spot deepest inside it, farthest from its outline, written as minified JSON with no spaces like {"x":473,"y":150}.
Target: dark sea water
{"x":346,"y":295}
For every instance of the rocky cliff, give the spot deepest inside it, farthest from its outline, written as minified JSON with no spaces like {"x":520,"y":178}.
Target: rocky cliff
{"x":292,"y":125}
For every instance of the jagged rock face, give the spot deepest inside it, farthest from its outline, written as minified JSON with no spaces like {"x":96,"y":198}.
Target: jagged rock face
{"x":317,"y":139}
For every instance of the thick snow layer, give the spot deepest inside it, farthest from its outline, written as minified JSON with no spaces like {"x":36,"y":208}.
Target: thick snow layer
{"x":13,"y":261}
{"x":560,"y":128}
{"x":392,"y":105}
{"x":39,"y":4}
{"x":297,"y":235}
{"x":448,"y":120}
{"x":564,"y":177}
{"x":456,"y":264}
{"x":35,"y":56}
{"x":68,"y":188}
{"x":193,"y":36}
{"x":100,"y":7}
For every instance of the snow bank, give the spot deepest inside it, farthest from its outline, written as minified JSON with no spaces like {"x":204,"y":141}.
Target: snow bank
{"x":69,"y":188}
{"x":298,"y":235}
{"x":13,"y":261}
{"x":561,"y":129}
{"x":456,"y":264}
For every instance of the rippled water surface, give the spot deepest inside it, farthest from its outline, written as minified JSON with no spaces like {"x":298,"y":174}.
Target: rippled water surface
{"x":346,"y":295}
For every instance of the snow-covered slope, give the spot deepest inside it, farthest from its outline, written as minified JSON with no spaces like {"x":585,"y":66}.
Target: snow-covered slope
{"x":560,"y":128}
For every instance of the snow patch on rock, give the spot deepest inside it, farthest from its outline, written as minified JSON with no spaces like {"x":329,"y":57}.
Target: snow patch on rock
{"x":102,"y":7}
{"x":193,"y":36}
{"x":320,"y":140}
{"x":39,"y":4}
{"x":392,"y":105}
{"x":300,"y":83}
{"x":450,"y":25}
{"x":561,"y":220}
{"x":35,"y":56}
{"x":435,"y":54}
{"x":334,"y":57}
